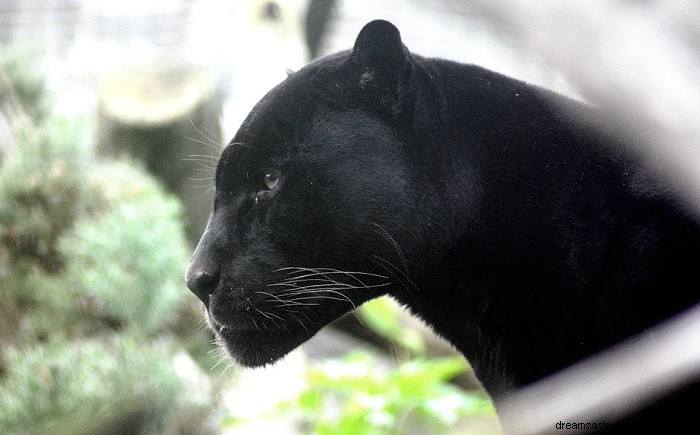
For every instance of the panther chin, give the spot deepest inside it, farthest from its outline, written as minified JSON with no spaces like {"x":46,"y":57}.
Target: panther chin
{"x":255,"y":344}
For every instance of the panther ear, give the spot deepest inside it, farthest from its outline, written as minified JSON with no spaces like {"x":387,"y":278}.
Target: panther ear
{"x":381,"y":75}
{"x":379,"y":50}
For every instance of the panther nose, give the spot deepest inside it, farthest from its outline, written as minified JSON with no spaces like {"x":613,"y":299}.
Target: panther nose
{"x":202,"y":275}
{"x":201,"y":282}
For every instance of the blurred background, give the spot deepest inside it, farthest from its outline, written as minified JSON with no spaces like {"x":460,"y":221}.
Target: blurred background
{"x":112,"y":116}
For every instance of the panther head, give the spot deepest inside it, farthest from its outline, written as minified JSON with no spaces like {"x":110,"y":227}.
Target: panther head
{"x":316,"y":199}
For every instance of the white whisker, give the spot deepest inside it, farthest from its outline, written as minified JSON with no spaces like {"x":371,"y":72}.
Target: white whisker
{"x":326,"y":271}
{"x":212,"y":143}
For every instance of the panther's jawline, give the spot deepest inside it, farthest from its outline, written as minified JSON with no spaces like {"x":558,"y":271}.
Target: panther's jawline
{"x":259,"y":348}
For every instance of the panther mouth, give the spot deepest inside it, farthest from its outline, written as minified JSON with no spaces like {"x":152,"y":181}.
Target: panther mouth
{"x":255,"y":332}
{"x":252,"y":343}
{"x":259,"y":323}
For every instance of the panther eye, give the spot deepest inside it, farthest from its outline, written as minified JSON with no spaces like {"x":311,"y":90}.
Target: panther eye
{"x":271,"y":178}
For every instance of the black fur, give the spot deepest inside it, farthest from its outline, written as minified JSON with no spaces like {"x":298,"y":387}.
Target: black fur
{"x":523,"y":236}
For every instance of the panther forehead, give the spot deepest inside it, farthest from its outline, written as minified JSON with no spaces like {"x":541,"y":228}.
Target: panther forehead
{"x":290,"y":105}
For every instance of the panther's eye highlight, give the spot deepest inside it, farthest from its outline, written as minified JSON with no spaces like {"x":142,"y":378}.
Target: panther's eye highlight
{"x":271,"y":178}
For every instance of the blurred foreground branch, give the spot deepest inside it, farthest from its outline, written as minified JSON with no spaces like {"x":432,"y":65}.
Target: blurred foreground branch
{"x":612,"y":384}
{"x":638,"y":61}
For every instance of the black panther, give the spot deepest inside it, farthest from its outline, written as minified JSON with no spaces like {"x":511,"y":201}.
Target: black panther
{"x":487,"y":206}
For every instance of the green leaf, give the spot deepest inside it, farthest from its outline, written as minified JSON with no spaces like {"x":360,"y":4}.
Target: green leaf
{"x":382,"y":316}
{"x":355,"y":395}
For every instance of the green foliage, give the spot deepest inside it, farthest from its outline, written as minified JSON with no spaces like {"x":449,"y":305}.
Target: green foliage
{"x":91,"y":262}
{"x":20,"y":79}
{"x":358,"y":395}
{"x":85,"y":380}
{"x":85,"y":249}
{"x":369,"y":400}
{"x":42,"y":190}
{"x":382,"y":316}
{"x":140,"y":228}
{"x":81,"y":240}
